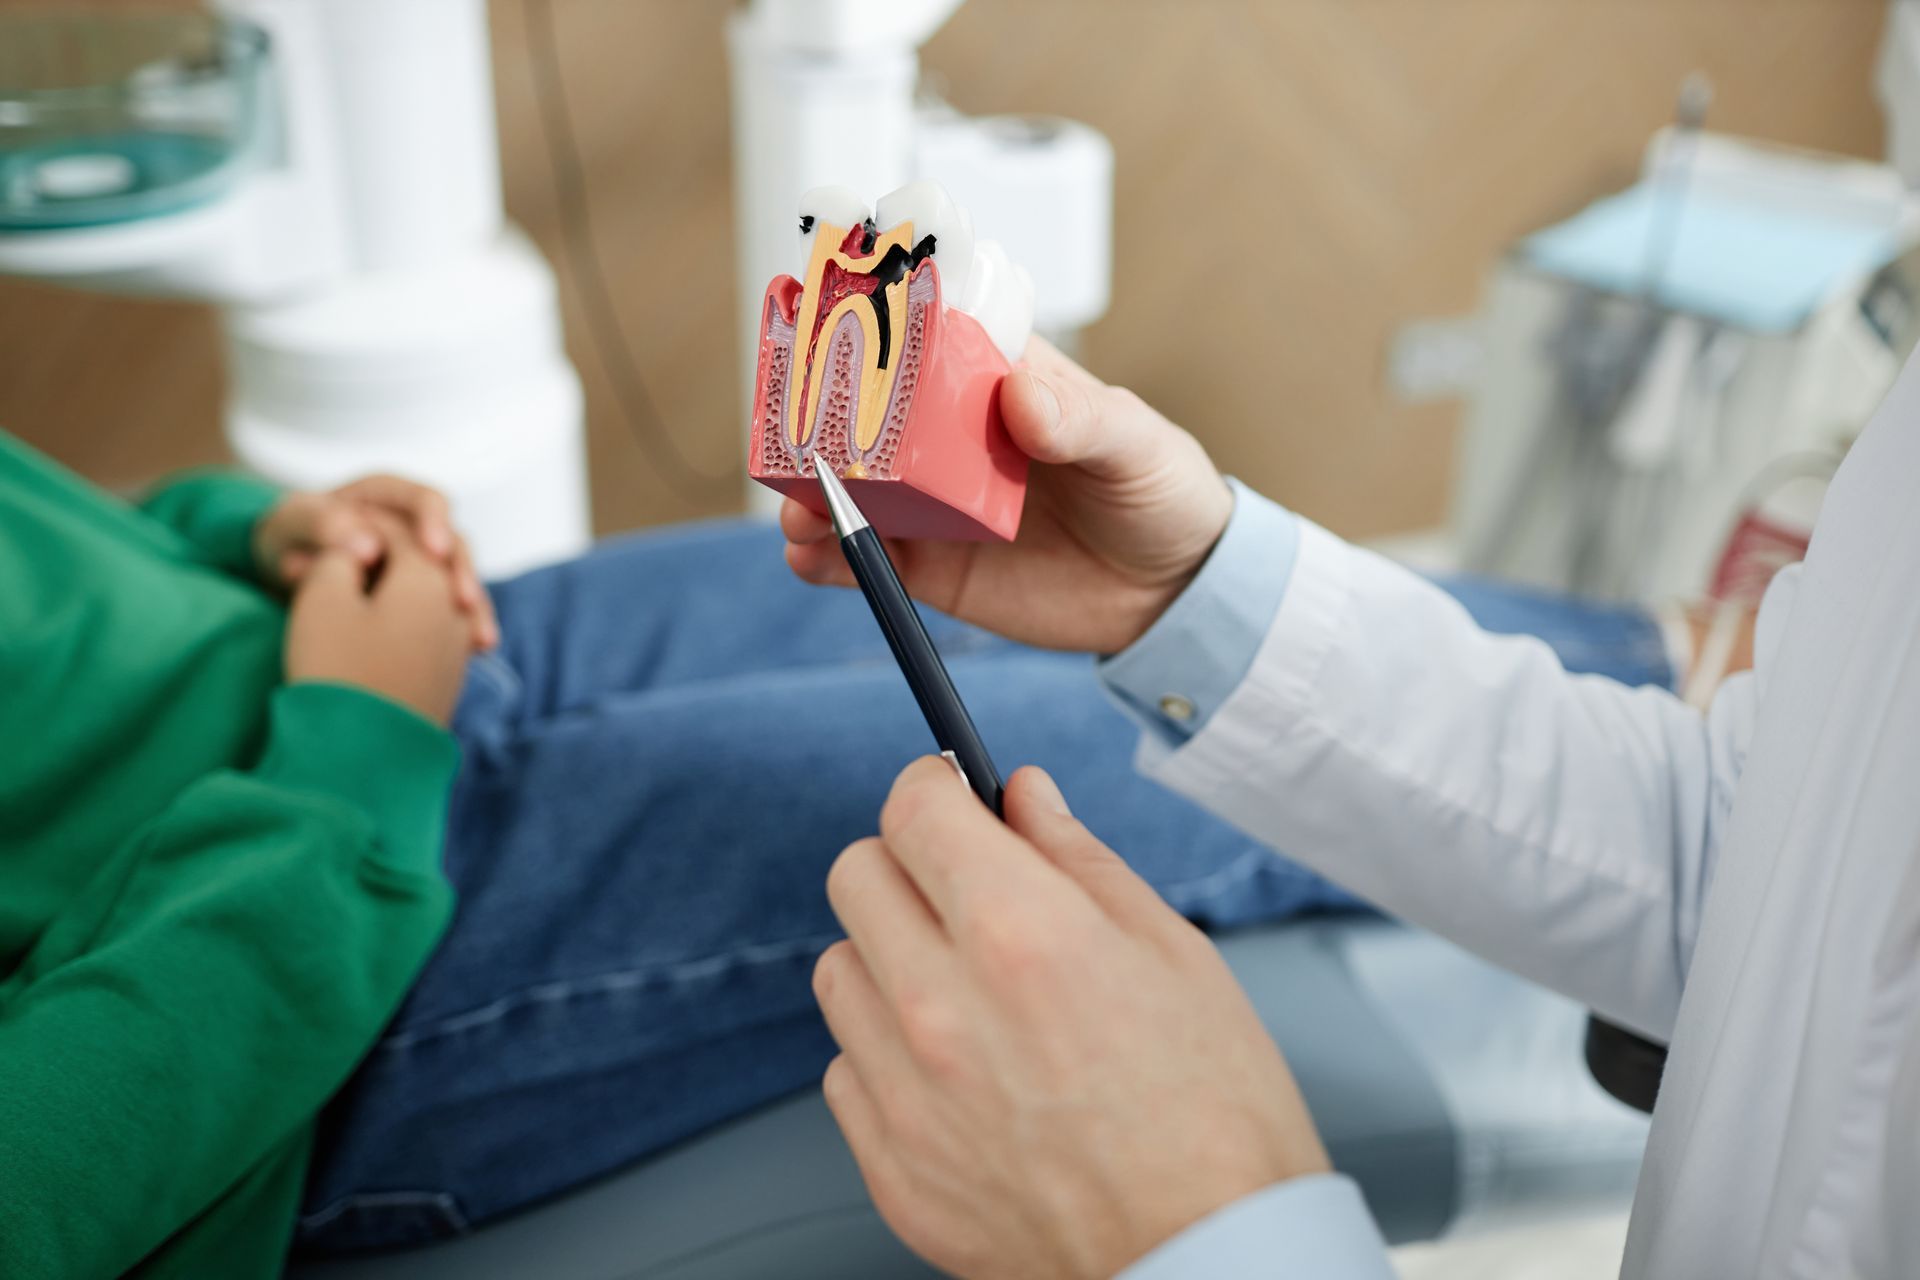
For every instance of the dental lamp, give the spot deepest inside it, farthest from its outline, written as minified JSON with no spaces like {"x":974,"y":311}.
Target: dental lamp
{"x":327,"y":173}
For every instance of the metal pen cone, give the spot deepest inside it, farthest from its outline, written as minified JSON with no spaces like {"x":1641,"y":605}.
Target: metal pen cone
{"x":847,"y":519}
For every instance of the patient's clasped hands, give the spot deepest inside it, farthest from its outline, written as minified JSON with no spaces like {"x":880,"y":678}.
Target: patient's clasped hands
{"x":385,"y":596}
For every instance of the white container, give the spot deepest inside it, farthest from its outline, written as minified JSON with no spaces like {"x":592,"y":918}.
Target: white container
{"x":1043,"y":187}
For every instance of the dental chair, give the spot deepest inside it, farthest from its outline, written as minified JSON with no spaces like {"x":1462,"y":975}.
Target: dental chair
{"x":1451,"y":1092}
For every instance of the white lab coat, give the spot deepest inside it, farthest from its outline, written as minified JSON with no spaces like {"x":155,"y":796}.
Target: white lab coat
{"x":1747,"y":883}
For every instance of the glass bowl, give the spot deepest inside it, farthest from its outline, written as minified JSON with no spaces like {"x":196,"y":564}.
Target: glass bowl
{"x":108,"y":116}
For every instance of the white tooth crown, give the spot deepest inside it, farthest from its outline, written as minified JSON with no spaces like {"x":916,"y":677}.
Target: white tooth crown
{"x":833,"y":206}
{"x":975,"y":276}
{"x":933,"y":213}
{"x":1000,"y":297}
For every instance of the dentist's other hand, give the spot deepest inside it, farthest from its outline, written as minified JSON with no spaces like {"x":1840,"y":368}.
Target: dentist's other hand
{"x":350,"y":520}
{"x":1044,"y":1070}
{"x":405,"y":639}
{"x":1122,"y":508}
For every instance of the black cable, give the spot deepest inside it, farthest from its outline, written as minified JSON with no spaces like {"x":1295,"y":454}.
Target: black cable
{"x":604,"y":327}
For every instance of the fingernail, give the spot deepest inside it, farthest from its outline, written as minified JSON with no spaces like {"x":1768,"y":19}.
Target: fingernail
{"x":365,"y":546}
{"x":1046,"y":794}
{"x":1048,"y":401}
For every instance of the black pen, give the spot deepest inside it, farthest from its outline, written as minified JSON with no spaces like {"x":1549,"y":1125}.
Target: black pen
{"x":912,"y":647}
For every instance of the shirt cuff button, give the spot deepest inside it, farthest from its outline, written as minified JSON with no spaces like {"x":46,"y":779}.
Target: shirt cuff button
{"x":1178,"y":709}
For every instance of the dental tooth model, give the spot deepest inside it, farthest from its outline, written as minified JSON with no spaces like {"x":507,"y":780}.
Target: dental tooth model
{"x":885,"y":365}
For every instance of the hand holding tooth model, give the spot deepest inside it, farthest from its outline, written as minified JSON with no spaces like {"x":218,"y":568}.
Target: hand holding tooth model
{"x":884,"y":366}
{"x":1120,"y":515}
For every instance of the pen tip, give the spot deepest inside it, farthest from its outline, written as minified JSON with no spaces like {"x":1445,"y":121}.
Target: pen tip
{"x":846,"y":516}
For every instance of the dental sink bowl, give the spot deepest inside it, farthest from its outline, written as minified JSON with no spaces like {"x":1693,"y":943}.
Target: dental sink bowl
{"x":108,"y":116}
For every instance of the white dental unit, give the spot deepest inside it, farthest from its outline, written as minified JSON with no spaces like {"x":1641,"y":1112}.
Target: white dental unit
{"x":327,"y":172}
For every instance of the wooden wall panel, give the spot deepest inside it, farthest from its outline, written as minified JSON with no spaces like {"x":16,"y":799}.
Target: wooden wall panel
{"x":1296,"y":178}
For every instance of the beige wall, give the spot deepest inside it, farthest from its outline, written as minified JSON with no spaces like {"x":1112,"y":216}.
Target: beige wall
{"x":1296,"y":178}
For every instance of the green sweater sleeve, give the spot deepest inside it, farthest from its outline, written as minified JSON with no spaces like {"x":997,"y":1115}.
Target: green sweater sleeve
{"x":168,"y":1040}
{"x":214,"y":510}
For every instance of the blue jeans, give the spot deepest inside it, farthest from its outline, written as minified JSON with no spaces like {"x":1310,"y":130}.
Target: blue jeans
{"x":670,"y":747}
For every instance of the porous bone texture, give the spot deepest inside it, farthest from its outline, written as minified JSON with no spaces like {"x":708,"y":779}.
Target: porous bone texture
{"x":838,"y":363}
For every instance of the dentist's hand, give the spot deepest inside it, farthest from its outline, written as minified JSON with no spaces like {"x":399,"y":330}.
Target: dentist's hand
{"x":1122,"y":508}
{"x":351,"y":520}
{"x":405,"y":639}
{"x":1044,"y":1071}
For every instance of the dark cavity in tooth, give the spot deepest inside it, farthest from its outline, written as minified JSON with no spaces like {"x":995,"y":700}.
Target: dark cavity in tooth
{"x":894,"y":266}
{"x":806,"y":223}
{"x":891,"y":267}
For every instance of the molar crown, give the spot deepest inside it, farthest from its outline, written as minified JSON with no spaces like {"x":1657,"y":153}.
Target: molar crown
{"x":975,"y":275}
{"x":856,"y":342}
{"x":933,"y":213}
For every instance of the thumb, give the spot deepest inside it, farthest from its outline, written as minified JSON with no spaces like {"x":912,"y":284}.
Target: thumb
{"x":1036,"y":810}
{"x":1066,"y":417}
{"x":1050,"y":418}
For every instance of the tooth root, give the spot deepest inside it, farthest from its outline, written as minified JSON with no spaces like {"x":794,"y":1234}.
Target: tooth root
{"x":837,"y":207}
{"x":827,"y":214}
{"x":1000,"y":296}
{"x":933,"y":213}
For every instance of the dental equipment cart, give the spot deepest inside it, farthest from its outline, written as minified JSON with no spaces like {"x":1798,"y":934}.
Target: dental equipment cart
{"x":1670,"y":357}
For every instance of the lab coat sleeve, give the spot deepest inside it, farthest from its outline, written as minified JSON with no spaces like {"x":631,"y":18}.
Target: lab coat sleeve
{"x":1314,"y":1228}
{"x":1197,"y":653}
{"x":1561,"y":826}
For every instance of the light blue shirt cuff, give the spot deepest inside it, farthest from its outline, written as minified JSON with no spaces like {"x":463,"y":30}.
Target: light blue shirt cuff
{"x":1172,"y":679}
{"x":1314,"y":1228}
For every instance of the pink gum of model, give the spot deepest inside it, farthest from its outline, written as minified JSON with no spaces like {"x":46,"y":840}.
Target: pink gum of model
{"x":944,"y":468}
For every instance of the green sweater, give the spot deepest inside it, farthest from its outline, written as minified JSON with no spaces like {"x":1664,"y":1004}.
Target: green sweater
{"x":215,"y":887}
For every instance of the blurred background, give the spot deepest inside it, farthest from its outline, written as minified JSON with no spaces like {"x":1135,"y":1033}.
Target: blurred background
{"x":1295,"y":181}
{"x":1592,"y":295}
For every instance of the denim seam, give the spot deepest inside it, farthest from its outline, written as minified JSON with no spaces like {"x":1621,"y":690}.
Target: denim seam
{"x":496,"y":669}
{"x":1245,"y":867}
{"x":560,"y":991}
{"x":443,"y":1201}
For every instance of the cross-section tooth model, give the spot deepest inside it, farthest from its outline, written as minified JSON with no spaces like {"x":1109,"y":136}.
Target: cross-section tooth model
{"x":885,"y":365}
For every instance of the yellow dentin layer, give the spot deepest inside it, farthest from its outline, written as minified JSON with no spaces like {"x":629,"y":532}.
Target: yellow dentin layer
{"x":875,"y":383}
